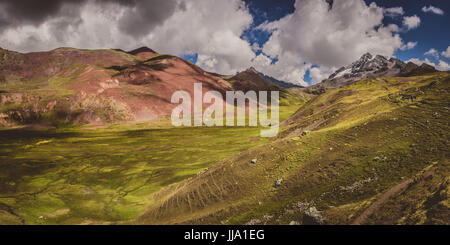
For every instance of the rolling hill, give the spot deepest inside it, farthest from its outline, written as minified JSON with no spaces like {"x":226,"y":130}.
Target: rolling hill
{"x":71,"y":86}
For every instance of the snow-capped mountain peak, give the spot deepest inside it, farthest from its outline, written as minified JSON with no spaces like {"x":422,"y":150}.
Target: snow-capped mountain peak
{"x":367,"y":63}
{"x":372,"y":66}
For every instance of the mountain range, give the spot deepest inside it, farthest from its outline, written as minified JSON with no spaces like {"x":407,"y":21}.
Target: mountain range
{"x":84,"y":139}
{"x":68,"y":85}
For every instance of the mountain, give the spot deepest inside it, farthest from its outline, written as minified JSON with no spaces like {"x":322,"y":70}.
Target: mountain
{"x":411,"y":69}
{"x":369,"y":66}
{"x":371,"y":152}
{"x":75,"y":86}
{"x":251,"y":79}
{"x":143,"y":52}
{"x":68,"y":85}
{"x":276,"y":81}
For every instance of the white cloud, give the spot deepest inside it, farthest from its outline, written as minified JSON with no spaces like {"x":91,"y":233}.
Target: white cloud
{"x":411,"y":22}
{"x":409,"y":45}
{"x":255,"y":47}
{"x":395,"y":11}
{"x":443,"y":66}
{"x":393,"y":28}
{"x":328,"y":38}
{"x":314,"y":37}
{"x":317,"y":74}
{"x":418,"y":61}
{"x":88,"y":31}
{"x":432,"y":52}
{"x":288,"y":68}
{"x":446,"y":53}
{"x":433,"y":10}
{"x":211,"y":28}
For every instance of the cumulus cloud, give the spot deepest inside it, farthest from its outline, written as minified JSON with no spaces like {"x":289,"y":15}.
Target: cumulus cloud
{"x":288,"y":67}
{"x":28,"y":12}
{"x":326,"y":37}
{"x":211,"y":28}
{"x":418,"y":61}
{"x":395,"y":11}
{"x":443,"y":66}
{"x":317,"y":74}
{"x":411,"y":22}
{"x":256,"y":47}
{"x":446,"y":53}
{"x":409,"y":45}
{"x":432,"y":52}
{"x":73,"y":25}
{"x":432,"y":9}
{"x":319,"y":37}
{"x":143,"y":16}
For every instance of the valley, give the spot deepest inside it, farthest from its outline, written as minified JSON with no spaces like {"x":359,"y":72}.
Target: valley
{"x":86,"y":138}
{"x":101,"y":176}
{"x":105,"y":174}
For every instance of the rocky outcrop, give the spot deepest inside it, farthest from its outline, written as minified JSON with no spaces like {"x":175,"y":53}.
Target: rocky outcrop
{"x":312,"y":217}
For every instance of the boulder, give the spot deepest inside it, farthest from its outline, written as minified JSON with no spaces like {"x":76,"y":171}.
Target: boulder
{"x":312,"y":217}
{"x":278,"y":182}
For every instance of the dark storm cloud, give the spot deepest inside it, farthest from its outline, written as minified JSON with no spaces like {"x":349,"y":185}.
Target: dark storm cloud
{"x":146,"y":15}
{"x":27,"y":12}
{"x":140,"y":17}
{"x":33,"y":11}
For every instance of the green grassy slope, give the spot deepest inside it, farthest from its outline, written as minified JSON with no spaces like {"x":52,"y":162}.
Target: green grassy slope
{"x":104,"y":174}
{"x":424,"y":201}
{"x":338,"y":153}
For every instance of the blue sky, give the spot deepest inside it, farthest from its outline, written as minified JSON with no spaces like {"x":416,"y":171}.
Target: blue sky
{"x":433,"y":31}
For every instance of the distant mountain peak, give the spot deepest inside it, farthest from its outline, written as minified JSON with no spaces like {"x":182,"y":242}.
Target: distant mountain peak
{"x":140,"y":50}
{"x":252,"y":69}
{"x":366,"y":56}
{"x":143,"y":52}
{"x":364,"y":65}
{"x":373,"y":66}
{"x":273,"y":80}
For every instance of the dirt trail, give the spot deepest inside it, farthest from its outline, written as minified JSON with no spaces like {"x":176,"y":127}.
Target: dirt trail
{"x":385,"y":196}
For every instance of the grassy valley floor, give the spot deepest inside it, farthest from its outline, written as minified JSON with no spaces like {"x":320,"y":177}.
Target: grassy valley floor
{"x":75,"y":176}
{"x":105,"y":174}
